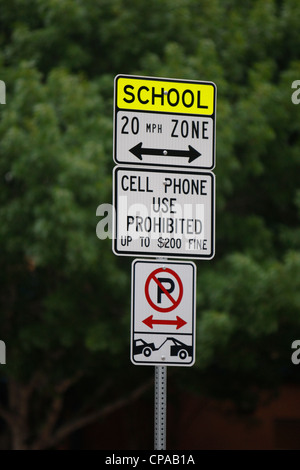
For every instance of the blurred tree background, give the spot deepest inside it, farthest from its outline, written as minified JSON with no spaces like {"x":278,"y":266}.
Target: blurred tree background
{"x":65,"y":298}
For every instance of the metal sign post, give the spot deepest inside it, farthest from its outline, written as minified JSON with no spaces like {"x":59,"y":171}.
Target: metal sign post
{"x":160,"y":408}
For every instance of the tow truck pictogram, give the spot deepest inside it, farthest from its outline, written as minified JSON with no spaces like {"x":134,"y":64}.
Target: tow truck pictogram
{"x":178,"y":348}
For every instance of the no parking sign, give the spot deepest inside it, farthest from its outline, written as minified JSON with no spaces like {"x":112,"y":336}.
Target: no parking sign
{"x":159,"y":277}
{"x":163,"y":313}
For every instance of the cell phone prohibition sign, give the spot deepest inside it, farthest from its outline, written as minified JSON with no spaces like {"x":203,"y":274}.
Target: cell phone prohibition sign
{"x":161,"y":289}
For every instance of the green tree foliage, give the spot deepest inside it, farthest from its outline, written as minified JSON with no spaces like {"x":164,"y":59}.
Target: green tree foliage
{"x":65,"y":298}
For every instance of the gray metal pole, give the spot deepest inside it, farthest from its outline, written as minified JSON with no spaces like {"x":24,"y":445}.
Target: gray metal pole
{"x":160,"y":408}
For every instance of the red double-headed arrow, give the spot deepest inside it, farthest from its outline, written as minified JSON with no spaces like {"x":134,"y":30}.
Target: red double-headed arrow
{"x":179,"y":322}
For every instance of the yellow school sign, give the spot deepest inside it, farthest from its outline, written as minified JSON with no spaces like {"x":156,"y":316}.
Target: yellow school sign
{"x":163,"y":122}
{"x":165,"y":95}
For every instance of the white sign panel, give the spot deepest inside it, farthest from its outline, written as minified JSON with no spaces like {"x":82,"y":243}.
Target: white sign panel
{"x":164,"y":122}
{"x":163,"y":313}
{"x":163,"y":213}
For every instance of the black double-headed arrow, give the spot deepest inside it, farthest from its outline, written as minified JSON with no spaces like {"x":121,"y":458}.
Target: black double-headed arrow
{"x":191,"y":153}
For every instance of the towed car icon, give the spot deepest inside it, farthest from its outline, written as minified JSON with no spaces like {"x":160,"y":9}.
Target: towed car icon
{"x":141,"y":347}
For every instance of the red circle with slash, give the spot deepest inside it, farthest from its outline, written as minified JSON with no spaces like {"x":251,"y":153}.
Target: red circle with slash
{"x":175,"y":302}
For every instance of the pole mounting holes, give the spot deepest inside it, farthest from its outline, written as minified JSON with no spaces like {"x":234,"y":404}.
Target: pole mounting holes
{"x":160,"y":407}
